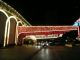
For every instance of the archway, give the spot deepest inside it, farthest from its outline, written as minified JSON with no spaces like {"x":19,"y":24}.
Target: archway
{"x":3,"y":18}
{"x":12,"y":31}
{"x":20,"y":23}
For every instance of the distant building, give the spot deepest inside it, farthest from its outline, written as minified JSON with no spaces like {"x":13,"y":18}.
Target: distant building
{"x":77,"y":23}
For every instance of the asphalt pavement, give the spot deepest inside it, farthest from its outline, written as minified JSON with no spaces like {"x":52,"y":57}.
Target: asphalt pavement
{"x":58,"y":53}
{"x":37,"y":53}
{"x":18,"y":52}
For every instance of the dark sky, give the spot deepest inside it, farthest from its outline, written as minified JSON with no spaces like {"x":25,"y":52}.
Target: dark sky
{"x":47,"y":12}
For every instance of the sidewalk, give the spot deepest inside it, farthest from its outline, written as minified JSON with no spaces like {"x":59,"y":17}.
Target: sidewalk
{"x":19,"y":53}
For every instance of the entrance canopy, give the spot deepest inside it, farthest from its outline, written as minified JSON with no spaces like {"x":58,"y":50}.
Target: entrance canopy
{"x":44,"y":31}
{"x":36,"y":30}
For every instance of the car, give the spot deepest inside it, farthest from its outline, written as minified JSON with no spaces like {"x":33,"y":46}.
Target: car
{"x":45,"y":44}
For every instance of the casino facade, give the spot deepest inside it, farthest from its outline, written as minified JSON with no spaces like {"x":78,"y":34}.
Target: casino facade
{"x":14,"y":27}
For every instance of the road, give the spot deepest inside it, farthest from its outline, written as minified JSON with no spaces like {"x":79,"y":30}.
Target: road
{"x":35,"y":53}
{"x":58,"y":53}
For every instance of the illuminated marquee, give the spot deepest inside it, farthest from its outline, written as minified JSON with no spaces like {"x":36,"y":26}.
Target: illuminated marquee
{"x":36,"y":30}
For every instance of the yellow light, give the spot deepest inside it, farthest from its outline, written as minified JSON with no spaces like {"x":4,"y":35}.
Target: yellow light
{"x":16,"y":37}
{"x":7,"y":31}
{"x":5,"y":34}
{"x":8,"y":23}
{"x":4,"y":12}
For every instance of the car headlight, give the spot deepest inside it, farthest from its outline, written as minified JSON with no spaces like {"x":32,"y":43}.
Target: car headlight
{"x":47,"y":44}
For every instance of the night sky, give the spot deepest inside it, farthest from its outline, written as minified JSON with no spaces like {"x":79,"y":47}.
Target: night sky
{"x":47,"y":12}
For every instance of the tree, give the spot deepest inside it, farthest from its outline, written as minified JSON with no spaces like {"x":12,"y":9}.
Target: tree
{"x":71,"y":34}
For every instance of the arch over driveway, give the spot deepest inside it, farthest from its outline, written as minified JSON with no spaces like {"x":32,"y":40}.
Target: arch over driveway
{"x":11,"y":31}
{"x":3,"y":18}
